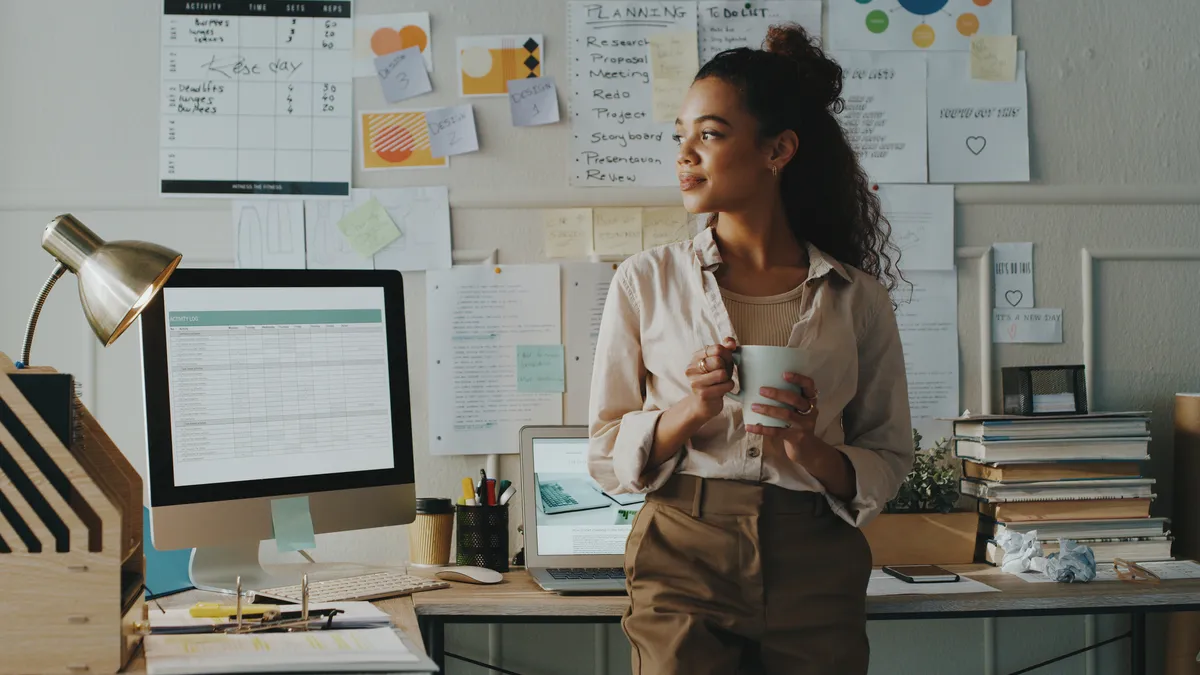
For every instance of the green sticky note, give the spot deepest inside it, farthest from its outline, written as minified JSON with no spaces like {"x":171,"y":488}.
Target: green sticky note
{"x":369,"y":228}
{"x":540,"y":369}
{"x":292,"y":524}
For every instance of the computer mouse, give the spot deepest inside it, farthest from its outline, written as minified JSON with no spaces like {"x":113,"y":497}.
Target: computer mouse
{"x":469,"y":574}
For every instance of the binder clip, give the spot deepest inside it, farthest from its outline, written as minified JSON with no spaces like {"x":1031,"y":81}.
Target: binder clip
{"x":276,"y":621}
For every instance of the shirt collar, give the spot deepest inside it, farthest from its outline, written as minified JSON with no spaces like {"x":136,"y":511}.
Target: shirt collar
{"x":819,"y":264}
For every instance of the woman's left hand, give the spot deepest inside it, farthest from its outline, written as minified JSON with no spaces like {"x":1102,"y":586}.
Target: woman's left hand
{"x":799,"y":411}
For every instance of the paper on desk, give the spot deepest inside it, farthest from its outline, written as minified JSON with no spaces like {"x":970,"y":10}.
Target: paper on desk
{"x":364,"y":650}
{"x":922,"y":220}
{"x":586,"y":291}
{"x":353,"y":615}
{"x":269,"y":234}
{"x":994,"y":58}
{"x":292,"y":524}
{"x":882,"y":583}
{"x":673,"y":63}
{"x":452,"y":130}
{"x":402,"y":74}
{"x":1012,"y":274}
{"x":533,"y":101}
{"x":617,"y":231}
{"x":1173,"y":569}
{"x":567,"y":232}
{"x":478,"y":314}
{"x":368,"y":228}
{"x":1104,"y":572}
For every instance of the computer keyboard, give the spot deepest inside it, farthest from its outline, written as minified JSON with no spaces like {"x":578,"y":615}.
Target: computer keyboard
{"x":553,"y":496}
{"x":363,"y":587}
{"x":578,"y":573}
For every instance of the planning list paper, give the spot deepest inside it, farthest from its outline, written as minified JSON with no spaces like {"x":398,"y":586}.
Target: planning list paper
{"x":256,"y":98}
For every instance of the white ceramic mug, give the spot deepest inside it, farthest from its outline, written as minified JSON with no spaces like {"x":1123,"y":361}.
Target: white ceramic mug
{"x":761,"y":366}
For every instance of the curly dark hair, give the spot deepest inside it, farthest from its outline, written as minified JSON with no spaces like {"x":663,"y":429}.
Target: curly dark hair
{"x":791,"y":84}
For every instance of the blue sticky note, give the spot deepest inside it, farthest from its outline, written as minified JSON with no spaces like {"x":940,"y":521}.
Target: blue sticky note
{"x":166,"y":571}
{"x":540,"y":369}
{"x":292,"y":524}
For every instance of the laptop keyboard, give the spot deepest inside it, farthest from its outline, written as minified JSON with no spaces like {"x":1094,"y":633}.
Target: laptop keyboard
{"x":553,"y":496}
{"x":577,"y":573}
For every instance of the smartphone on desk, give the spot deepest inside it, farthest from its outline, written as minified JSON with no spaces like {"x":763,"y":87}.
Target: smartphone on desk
{"x":921,"y":574}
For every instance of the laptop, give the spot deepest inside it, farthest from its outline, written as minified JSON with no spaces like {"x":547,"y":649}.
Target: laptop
{"x":574,"y":532}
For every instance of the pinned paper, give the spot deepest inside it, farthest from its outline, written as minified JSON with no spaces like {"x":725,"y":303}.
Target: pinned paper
{"x":292,"y":524}
{"x":568,"y":233}
{"x":665,"y":225}
{"x":486,"y":63}
{"x":674,"y":60}
{"x":1013,"y":267}
{"x":617,"y":231}
{"x":533,"y":101}
{"x":452,"y":130}
{"x":368,"y":228}
{"x":379,"y":34}
{"x":396,"y":139}
{"x":1027,"y":325}
{"x":994,"y":58}
{"x":540,"y":369}
{"x":402,"y":74}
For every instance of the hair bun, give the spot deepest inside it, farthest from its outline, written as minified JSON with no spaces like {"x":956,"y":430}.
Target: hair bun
{"x":821,"y":75}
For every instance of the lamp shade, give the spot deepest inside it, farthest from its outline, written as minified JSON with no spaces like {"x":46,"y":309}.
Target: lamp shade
{"x":116,"y":279}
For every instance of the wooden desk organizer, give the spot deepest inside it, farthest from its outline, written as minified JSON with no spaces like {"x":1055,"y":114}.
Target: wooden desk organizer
{"x":71,"y":561}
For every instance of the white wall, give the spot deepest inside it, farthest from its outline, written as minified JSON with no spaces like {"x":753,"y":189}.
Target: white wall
{"x":1116,"y":155}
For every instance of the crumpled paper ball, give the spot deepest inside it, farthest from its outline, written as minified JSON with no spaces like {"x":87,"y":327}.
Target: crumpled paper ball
{"x":1022,"y":552}
{"x":1073,"y":562}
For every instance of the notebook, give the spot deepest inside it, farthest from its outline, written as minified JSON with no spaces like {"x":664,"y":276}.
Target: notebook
{"x":1103,"y":488}
{"x":1066,"y":509}
{"x":997,"y":452}
{"x":1044,"y":471}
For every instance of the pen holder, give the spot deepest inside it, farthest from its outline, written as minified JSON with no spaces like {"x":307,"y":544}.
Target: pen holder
{"x":483,"y":537}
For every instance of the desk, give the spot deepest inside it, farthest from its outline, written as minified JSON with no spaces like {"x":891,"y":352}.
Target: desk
{"x":519,"y":600}
{"x":400,"y":609}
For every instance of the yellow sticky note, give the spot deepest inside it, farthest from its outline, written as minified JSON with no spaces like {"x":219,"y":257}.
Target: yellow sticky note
{"x":665,"y":225}
{"x":369,"y":228}
{"x":617,"y":231}
{"x":994,"y":58}
{"x":567,"y":232}
{"x":674,"y":60}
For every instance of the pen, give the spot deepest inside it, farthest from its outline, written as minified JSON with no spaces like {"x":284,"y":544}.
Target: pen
{"x":508,"y":494}
{"x":491,"y":492}
{"x":502,"y":487}
{"x":482,"y":494}
{"x":468,"y":489}
{"x":215,"y":610}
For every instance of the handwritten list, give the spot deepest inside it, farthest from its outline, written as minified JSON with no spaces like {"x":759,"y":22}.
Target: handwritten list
{"x":729,"y":24}
{"x":615,"y":140}
{"x":256,"y":98}
{"x":884,"y":117}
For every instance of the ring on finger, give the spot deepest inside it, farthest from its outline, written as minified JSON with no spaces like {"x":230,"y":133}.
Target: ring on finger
{"x":807,"y":411}
{"x":703,"y":366}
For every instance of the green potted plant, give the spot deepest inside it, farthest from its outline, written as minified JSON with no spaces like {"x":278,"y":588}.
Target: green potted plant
{"x":920,"y":525}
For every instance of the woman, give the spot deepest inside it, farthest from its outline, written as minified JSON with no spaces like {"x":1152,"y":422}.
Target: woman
{"x":747,"y":555}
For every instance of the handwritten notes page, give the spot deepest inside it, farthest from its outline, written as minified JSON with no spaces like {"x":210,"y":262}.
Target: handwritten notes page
{"x":269,"y":234}
{"x":673,"y":65}
{"x":1040,"y":325}
{"x":615,"y":140}
{"x":477,"y":319}
{"x":665,"y":225}
{"x":884,"y":117}
{"x":422,"y":214}
{"x":1013,"y":274}
{"x":256,"y":104}
{"x":617,"y":231}
{"x":978,"y":130}
{"x":540,"y":369}
{"x":402,"y":74}
{"x":586,"y":288}
{"x":928,"y":321}
{"x":729,"y":24}
{"x":533,"y":101}
{"x":922,"y":220}
{"x":567,"y":233}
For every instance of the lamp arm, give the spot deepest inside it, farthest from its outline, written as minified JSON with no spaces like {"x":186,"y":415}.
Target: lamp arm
{"x":27,"y":343}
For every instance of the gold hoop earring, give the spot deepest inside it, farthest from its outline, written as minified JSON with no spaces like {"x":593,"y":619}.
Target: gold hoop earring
{"x":774,"y":171}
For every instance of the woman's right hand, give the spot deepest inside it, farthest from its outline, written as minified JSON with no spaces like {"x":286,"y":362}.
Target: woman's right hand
{"x":710,"y":374}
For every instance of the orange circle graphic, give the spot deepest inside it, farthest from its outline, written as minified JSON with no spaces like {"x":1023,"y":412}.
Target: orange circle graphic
{"x":923,"y":36}
{"x":413,"y":36}
{"x":398,"y":144}
{"x":968,"y":24}
{"x":386,"y":41}
{"x":983,"y":3}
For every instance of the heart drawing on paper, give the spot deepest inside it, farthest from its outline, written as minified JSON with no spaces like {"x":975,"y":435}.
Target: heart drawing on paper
{"x":976,"y":144}
{"x":1010,"y":295}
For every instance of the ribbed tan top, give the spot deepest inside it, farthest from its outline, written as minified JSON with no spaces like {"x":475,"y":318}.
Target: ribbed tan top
{"x":765,"y":320}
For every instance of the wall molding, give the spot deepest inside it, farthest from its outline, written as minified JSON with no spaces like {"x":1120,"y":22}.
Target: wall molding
{"x":1087,"y":259}
{"x":999,"y":195}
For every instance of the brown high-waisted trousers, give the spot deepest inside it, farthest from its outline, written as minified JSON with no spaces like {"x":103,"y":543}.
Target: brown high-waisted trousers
{"x":727,"y":577}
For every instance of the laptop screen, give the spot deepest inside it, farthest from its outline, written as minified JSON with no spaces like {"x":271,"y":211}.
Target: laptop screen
{"x":574,"y":516}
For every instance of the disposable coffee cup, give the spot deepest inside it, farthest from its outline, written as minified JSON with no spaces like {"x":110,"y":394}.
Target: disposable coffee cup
{"x":431,"y":532}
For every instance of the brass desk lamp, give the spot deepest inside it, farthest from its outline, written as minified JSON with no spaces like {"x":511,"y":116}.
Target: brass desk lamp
{"x":116,"y":279}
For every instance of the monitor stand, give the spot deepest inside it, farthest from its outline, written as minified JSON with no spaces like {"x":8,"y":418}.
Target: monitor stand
{"x":217,"y":568}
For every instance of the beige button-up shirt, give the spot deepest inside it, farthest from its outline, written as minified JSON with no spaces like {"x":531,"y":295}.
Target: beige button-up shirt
{"x":665,"y":304}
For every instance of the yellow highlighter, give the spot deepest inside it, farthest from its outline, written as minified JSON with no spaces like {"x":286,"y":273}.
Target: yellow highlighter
{"x":215,"y":610}
{"x":468,"y":490}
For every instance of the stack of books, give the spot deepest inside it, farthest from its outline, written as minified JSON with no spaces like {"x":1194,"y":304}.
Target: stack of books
{"x":1072,"y":476}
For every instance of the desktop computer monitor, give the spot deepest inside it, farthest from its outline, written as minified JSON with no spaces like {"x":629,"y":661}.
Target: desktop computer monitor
{"x":261,"y":385}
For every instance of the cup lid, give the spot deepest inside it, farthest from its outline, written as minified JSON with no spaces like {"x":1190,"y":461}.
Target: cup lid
{"x":434,"y":505}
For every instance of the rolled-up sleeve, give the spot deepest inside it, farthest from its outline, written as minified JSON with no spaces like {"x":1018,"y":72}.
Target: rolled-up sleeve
{"x":620,"y":426}
{"x":877,"y":421}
